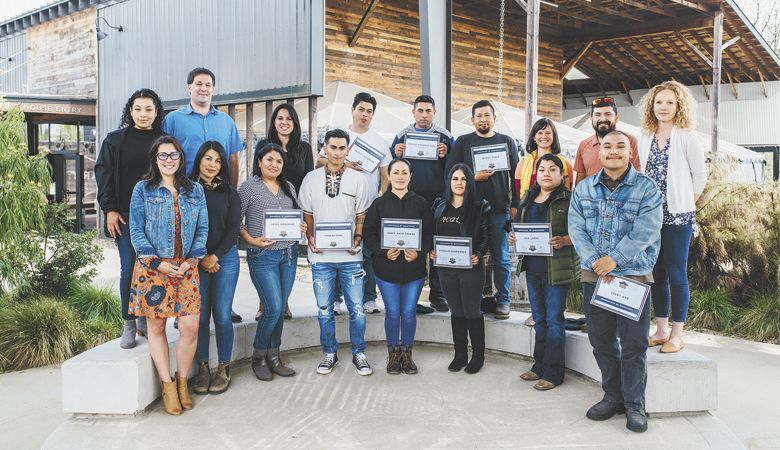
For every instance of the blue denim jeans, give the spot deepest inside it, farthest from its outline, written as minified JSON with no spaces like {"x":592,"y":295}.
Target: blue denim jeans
{"x":547,"y":305}
{"x":216,"y":293}
{"x":126,"y":263}
{"x":350,"y":276}
{"x":671,"y":273}
{"x":273,"y":274}
{"x":400,"y":310}
{"x":623,"y":363}
{"x":499,"y":251}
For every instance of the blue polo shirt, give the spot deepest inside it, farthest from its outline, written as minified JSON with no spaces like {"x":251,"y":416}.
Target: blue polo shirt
{"x":192,"y":129}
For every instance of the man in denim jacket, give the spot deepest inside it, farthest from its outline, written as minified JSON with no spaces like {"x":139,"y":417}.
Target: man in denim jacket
{"x":615,"y":224}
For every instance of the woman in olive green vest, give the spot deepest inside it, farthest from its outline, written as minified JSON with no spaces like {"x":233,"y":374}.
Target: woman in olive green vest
{"x":548,"y":277}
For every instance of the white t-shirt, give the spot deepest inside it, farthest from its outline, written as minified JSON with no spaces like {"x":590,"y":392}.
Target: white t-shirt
{"x":378,"y":142}
{"x":351,"y":201}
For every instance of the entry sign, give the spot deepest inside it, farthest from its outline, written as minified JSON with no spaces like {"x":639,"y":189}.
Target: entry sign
{"x":622,"y":296}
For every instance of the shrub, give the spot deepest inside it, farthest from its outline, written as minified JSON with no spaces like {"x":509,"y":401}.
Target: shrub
{"x":574,"y":298}
{"x":95,"y":302}
{"x":94,"y":332}
{"x":761,"y":321}
{"x":36,"y":333}
{"x":712,"y":309}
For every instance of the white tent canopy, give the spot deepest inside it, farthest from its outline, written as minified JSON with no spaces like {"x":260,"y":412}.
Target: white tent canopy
{"x":749,"y":165}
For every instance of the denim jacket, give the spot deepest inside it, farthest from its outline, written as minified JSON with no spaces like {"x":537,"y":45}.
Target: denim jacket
{"x":152,"y":222}
{"x":624,"y":224}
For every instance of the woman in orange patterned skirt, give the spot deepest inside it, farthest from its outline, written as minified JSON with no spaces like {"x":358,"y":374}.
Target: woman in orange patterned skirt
{"x":168,"y":229}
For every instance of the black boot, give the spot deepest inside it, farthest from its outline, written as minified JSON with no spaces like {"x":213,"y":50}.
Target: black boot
{"x":461,"y":341}
{"x":476,"y":329}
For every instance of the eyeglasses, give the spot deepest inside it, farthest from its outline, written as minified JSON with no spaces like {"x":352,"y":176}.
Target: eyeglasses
{"x":602,"y":100}
{"x":175,"y":156}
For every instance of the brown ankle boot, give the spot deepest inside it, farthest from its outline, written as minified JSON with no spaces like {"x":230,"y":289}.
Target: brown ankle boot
{"x":170,"y":398}
{"x":184,"y":393}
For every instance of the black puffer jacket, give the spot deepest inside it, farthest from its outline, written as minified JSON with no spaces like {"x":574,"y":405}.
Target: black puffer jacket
{"x":389,"y":206}
{"x":480,"y":232}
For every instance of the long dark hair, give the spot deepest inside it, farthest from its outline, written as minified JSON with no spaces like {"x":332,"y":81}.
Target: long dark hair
{"x":294,"y":150}
{"x":206,"y":146}
{"x":153,"y":177}
{"x":541,"y":124}
{"x":534,"y":191}
{"x":127,"y":118}
{"x":283,"y":183}
{"x":470,"y":210}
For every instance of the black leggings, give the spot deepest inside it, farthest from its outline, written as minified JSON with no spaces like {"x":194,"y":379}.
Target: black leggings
{"x":463,"y":290}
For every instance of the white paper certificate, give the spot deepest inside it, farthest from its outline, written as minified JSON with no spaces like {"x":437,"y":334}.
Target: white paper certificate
{"x":422,"y":146}
{"x":533,"y":239}
{"x":401,"y":233}
{"x":452,"y":252}
{"x":622,"y":296}
{"x":333,"y":235}
{"x":283,"y":224}
{"x":490,"y":157}
{"x":368,"y":157}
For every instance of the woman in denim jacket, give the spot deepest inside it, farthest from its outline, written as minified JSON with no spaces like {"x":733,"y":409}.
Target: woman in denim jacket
{"x":168,"y":229}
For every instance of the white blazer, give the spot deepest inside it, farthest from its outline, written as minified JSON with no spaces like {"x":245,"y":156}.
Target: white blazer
{"x":687,"y":174}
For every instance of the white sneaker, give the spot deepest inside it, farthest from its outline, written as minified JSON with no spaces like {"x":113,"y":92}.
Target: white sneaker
{"x":361,"y":364}
{"x":328,"y":361}
{"x":370,"y":307}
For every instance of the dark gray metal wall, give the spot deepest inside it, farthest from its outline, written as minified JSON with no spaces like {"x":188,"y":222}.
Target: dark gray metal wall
{"x":13,"y":73}
{"x":258,"y":49}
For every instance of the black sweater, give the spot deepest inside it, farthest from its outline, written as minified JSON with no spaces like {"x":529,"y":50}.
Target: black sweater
{"x":296,"y":170}
{"x":479,"y":230}
{"x":389,"y":206}
{"x":224,"y":206}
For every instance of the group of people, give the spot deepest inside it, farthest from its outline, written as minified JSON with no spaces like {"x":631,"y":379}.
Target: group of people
{"x":167,"y":187}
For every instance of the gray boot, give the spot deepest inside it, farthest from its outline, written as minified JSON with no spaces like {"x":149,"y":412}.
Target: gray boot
{"x":128,"y":335}
{"x":140,"y":323}
{"x":276,"y":364}
{"x":260,"y":365}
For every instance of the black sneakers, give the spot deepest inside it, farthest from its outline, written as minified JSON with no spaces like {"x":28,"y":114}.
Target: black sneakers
{"x":328,"y":361}
{"x":361,"y":364}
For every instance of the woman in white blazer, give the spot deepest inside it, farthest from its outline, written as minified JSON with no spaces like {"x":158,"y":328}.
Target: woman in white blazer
{"x":671,"y":154}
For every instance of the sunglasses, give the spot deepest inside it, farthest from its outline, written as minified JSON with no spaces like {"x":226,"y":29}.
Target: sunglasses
{"x":173,"y":156}
{"x":602,"y":100}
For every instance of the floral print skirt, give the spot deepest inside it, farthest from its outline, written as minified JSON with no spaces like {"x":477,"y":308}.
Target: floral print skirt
{"x":155,"y":295}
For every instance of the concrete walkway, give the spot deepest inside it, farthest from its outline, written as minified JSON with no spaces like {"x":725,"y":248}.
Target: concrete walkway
{"x":432,"y":409}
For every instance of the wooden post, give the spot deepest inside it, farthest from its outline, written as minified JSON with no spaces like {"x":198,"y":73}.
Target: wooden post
{"x":250,"y":137}
{"x":531,"y":63}
{"x":269,"y":110}
{"x":716,"y":65}
{"x":232,"y":112}
{"x":313,"y":138}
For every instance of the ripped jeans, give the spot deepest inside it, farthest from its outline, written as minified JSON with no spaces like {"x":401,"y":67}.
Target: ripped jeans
{"x":350,"y":274}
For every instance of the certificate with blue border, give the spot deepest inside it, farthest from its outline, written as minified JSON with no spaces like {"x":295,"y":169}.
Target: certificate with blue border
{"x":490,"y":157}
{"x":533,"y":239}
{"x":333,"y":235}
{"x":622,"y":296}
{"x":452,"y":252}
{"x":364,"y":154}
{"x":283,"y":224}
{"x":421,"y":146}
{"x":405,"y":234}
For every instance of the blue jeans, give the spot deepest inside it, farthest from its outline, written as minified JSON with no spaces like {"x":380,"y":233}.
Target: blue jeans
{"x":671,"y":273}
{"x":623,"y":363}
{"x":126,"y":263}
{"x":499,"y":251}
{"x":400,"y":309}
{"x":547,"y":305}
{"x":273,"y":274}
{"x":350,"y":275}
{"x":216,"y":293}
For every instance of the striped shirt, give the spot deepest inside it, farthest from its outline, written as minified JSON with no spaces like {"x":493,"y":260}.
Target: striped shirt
{"x":255,"y":199}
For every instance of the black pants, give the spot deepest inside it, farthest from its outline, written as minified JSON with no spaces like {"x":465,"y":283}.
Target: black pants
{"x":463,"y":289}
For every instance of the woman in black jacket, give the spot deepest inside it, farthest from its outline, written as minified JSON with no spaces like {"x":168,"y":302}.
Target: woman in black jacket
{"x":400,"y":273}
{"x":122,"y":162}
{"x":462,"y":214}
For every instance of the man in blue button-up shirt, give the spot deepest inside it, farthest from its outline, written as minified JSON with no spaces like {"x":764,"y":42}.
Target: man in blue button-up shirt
{"x":615,"y":225}
{"x":200,"y":121}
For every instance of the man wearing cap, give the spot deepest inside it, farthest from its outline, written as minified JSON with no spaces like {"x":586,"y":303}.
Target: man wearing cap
{"x":604,"y":118}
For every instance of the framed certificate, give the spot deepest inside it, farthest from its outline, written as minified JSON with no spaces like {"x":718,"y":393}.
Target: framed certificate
{"x":452,"y":252}
{"x":490,"y":157}
{"x":533,"y":239}
{"x":422,"y":146}
{"x":368,"y":157}
{"x":283,"y":224}
{"x":622,"y":296}
{"x":405,"y":234}
{"x":333,"y":235}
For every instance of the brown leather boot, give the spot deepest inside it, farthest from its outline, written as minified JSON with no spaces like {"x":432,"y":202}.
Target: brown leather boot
{"x":407,"y":363}
{"x":170,"y":398}
{"x":276,"y":364}
{"x":220,"y":382}
{"x":184,"y":392}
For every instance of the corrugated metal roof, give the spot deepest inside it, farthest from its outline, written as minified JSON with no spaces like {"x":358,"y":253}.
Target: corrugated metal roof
{"x":45,"y":13}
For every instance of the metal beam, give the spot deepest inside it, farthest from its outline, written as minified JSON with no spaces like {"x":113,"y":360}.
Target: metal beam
{"x":569,"y":65}
{"x":436,"y":53}
{"x":531,"y":63}
{"x":313,"y":137}
{"x":362,"y":24}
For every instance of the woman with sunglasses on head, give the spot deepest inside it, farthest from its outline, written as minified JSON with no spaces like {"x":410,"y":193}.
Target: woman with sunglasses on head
{"x":400,"y":273}
{"x":168,"y":228}
{"x":284,"y":129}
{"x":272,"y":264}
{"x":219,"y":269}
{"x":123,"y":160}
{"x":461,"y":214}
